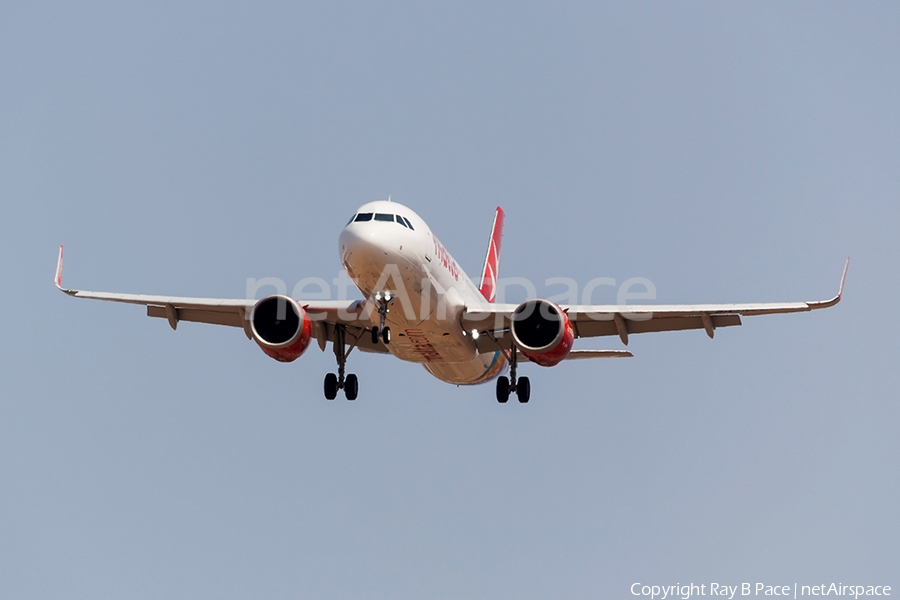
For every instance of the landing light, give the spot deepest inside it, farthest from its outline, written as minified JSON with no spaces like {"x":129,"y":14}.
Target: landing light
{"x":475,"y":334}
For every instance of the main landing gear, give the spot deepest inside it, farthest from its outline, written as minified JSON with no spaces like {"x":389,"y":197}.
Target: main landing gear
{"x":381,"y":332}
{"x":333,"y":383}
{"x":520,"y":387}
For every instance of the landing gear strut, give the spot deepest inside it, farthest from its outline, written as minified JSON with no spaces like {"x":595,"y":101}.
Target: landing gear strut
{"x":333,"y":383}
{"x":381,"y":300}
{"x":520,"y":387}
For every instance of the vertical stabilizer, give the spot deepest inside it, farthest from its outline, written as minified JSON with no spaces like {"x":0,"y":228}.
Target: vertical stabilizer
{"x":491,"y":271}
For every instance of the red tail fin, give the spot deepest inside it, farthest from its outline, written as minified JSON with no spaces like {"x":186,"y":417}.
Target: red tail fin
{"x":491,"y":270}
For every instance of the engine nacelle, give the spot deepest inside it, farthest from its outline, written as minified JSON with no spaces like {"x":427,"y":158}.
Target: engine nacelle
{"x":281,"y":327}
{"x":542,"y":331}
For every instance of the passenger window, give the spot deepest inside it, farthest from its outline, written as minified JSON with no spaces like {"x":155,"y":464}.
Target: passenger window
{"x":400,"y":220}
{"x":408,"y":224}
{"x":363,"y":217}
{"x":383,"y":217}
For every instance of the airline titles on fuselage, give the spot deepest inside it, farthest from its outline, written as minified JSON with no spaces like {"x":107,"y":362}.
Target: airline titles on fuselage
{"x":422,"y":346}
{"x":442,"y":255}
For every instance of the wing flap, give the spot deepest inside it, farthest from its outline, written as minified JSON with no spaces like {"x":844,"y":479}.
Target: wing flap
{"x":595,"y":328}
{"x":233,"y":318}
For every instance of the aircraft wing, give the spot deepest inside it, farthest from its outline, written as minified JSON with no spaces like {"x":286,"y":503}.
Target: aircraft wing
{"x":236,"y":312}
{"x":625,"y":320}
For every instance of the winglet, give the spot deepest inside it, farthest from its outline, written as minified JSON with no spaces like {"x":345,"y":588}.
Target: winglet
{"x":836,"y":299}
{"x":58,"y":279}
{"x":843,"y":278}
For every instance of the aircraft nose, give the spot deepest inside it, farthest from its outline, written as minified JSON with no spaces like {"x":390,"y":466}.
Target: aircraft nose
{"x":363,"y":238}
{"x":370,"y":239}
{"x":350,"y":240}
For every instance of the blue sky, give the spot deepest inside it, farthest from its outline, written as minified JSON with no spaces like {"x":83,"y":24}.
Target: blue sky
{"x":728,"y":153}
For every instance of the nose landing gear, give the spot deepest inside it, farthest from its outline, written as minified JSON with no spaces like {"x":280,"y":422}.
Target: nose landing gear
{"x":520,"y":387}
{"x":381,"y":332}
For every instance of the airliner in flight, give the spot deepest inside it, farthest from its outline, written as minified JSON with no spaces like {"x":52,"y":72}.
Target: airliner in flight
{"x":421,"y":307}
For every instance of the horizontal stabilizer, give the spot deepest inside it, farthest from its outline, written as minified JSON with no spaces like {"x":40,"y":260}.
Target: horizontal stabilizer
{"x":583,"y":354}
{"x":580,"y":354}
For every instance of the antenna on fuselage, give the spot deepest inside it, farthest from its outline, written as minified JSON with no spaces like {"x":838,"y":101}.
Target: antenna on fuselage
{"x":389,"y":197}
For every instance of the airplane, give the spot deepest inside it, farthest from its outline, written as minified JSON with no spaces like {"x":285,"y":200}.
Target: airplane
{"x":460,"y":334}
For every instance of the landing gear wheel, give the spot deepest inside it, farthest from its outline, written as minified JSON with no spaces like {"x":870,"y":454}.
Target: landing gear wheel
{"x":351,"y":387}
{"x":375,"y":335}
{"x":331,"y":386}
{"x":523,"y":389}
{"x":502,"y":390}
{"x":386,"y":335}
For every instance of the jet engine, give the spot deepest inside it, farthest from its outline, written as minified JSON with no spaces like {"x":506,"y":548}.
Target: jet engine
{"x":281,"y":327}
{"x":542,"y":331}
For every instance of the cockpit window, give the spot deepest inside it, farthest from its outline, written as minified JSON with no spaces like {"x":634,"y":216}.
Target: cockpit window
{"x":382,"y":217}
{"x":351,"y":219}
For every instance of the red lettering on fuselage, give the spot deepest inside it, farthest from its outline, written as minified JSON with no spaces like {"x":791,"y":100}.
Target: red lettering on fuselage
{"x":422,"y":346}
{"x":442,"y":255}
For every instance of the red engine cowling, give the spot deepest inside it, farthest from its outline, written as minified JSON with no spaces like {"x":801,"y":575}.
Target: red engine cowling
{"x":281,"y":327}
{"x":542,"y":331}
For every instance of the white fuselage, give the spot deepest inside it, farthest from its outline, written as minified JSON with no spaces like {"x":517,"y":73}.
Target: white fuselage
{"x":404,"y":257}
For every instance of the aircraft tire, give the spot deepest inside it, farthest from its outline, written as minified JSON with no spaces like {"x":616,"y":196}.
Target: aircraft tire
{"x":330,"y":386}
{"x":523,"y":389}
{"x":386,"y":335}
{"x":351,"y":387}
{"x":502,"y":389}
